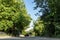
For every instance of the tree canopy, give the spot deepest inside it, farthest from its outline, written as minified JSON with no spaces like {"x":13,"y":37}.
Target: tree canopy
{"x":13,"y":15}
{"x":51,"y":17}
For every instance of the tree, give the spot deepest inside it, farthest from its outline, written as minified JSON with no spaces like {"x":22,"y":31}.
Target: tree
{"x":50,"y":11}
{"x":39,"y":28}
{"x":13,"y":16}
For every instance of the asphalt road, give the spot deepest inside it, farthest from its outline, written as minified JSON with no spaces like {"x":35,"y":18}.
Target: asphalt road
{"x":30,"y":38}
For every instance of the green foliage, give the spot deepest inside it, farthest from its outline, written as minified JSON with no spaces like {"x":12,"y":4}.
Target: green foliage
{"x":5,"y":24}
{"x":13,"y":15}
{"x":39,"y":27}
{"x":51,"y":17}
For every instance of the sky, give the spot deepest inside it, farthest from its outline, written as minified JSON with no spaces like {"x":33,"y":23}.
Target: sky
{"x":30,"y":8}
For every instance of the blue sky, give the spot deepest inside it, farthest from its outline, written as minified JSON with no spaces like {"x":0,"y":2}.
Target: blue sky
{"x":30,"y":6}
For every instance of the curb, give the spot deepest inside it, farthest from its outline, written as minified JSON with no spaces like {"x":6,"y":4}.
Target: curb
{"x":2,"y":37}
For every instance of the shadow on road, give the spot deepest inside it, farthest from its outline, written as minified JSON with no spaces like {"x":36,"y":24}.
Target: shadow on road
{"x":30,"y":38}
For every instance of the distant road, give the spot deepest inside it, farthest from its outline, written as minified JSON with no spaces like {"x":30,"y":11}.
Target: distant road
{"x":30,"y":38}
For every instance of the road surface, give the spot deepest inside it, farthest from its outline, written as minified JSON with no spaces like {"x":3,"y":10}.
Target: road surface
{"x":30,"y":38}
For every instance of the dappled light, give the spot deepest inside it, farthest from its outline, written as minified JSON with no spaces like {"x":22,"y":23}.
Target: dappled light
{"x":30,"y":18}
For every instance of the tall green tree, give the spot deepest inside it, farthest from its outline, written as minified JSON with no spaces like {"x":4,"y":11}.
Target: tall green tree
{"x":50,"y":11}
{"x":39,"y":27}
{"x":13,"y":16}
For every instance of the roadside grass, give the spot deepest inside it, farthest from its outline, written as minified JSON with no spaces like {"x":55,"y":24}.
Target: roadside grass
{"x":2,"y":34}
